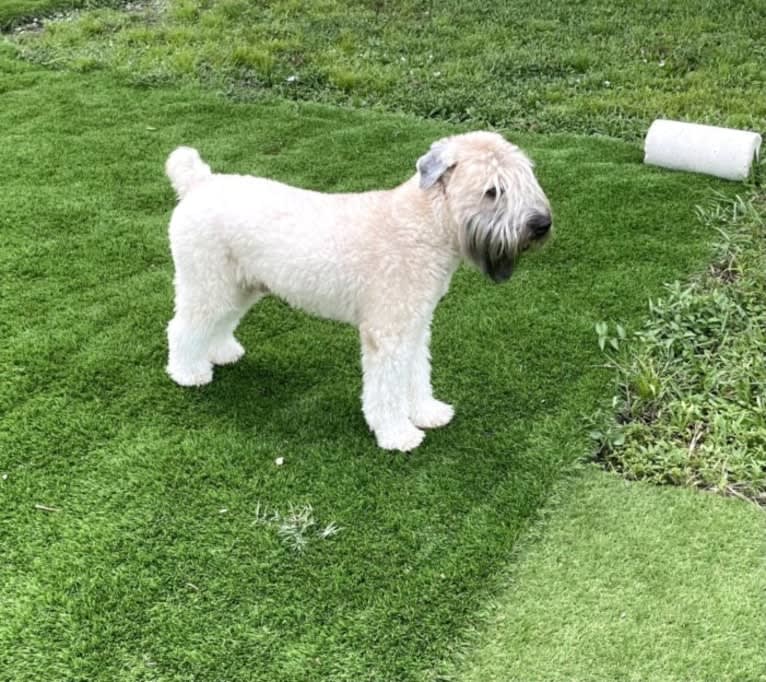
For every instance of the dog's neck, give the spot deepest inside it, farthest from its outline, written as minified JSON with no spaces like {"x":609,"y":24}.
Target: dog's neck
{"x":431,"y":207}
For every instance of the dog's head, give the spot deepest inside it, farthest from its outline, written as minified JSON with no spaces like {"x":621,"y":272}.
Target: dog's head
{"x":492,"y":196}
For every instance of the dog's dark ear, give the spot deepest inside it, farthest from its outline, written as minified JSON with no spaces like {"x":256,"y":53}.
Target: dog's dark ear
{"x":434,"y":164}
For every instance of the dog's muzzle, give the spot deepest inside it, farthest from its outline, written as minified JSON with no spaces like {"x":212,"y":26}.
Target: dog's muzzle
{"x":500,"y":266}
{"x":539,"y":225}
{"x":497,"y":258}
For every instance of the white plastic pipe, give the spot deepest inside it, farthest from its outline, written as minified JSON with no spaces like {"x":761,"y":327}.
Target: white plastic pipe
{"x":723,"y":152}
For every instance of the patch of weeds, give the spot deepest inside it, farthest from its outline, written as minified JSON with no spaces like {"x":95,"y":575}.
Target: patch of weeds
{"x":690,"y":404}
{"x":296,"y":528}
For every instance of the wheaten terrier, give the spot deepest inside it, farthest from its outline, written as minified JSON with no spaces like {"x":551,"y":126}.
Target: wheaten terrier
{"x":379,"y":260}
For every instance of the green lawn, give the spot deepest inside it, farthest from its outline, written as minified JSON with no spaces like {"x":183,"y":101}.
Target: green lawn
{"x":626,"y":581}
{"x":145,"y":528}
{"x":586,"y":67}
{"x":15,"y":13}
{"x":141,"y":468}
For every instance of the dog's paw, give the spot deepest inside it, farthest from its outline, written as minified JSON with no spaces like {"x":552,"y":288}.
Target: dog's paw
{"x":227,"y":353}
{"x":404,"y":437}
{"x":197,"y":377}
{"x":431,"y":414}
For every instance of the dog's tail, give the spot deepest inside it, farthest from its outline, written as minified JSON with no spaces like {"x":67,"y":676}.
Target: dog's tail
{"x":185,"y":169}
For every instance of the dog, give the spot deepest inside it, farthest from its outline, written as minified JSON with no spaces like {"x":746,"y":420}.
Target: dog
{"x":380,"y":260}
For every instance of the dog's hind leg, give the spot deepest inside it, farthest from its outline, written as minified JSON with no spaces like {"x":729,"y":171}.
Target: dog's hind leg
{"x":189,"y":337}
{"x":386,"y":364}
{"x":203,"y":307}
{"x":224,"y":347}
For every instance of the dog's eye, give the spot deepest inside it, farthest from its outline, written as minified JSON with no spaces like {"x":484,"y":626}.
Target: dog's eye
{"x":492,"y":193}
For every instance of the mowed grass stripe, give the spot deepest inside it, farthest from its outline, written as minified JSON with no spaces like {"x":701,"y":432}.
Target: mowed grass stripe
{"x":141,"y":572}
{"x":627,"y":581}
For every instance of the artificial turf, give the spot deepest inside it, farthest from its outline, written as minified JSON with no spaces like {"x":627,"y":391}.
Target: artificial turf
{"x":133,"y":528}
{"x":148,"y":532}
{"x":627,"y":581}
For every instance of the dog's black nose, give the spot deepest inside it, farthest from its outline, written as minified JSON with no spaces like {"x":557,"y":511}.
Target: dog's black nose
{"x":539,"y":225}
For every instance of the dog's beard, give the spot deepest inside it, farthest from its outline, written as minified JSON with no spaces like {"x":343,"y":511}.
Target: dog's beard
{"x":493,"y":244}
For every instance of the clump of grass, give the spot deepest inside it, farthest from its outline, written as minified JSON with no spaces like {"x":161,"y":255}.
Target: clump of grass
{"x":690,"y":406}
{"x":297,"y":527}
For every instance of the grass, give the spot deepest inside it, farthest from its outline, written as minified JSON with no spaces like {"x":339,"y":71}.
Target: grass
{"x":622,"y":581}
{"x":251,"y":530}
{"x":141,"y":469}
{"x":595,"y":67}
{"x":16,"y":13}
{"x":689,"y":405}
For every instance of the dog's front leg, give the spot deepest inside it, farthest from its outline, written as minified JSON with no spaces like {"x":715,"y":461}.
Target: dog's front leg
{"x":387,"y":356}
{"x":425,"y":411}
